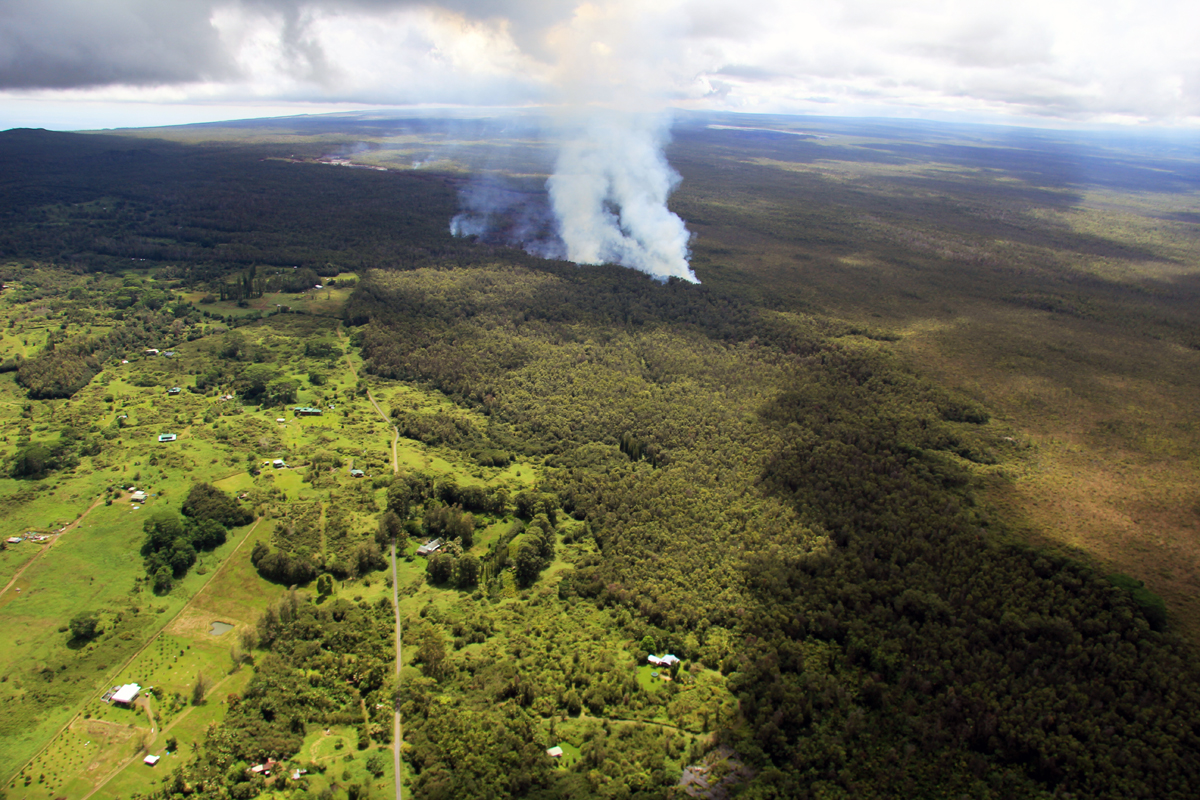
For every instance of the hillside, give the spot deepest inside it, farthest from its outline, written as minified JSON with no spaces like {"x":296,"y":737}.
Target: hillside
{"x":907,"y":482}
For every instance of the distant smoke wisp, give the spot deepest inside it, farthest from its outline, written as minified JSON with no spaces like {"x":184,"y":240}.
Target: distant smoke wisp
{"x":498,"y":213}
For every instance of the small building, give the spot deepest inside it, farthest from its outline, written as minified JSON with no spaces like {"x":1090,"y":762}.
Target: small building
{"x":174,"y":390}
{"x":280,"y":419}
{"x":170,"y":354}
{"x":357,"y":473}
{"x":126,"y":694}
{"x":279,"y":463}
{"x":555,"y":752}
{"x":167,"y":437}
{"x":137,"y":497}
{"x":306,"y":411}
{"x":151,"y":760}
{"x":429,"y":547}
{"x":150,"y":351}
{"x":663,"y":661}
{"x":14,"y":540}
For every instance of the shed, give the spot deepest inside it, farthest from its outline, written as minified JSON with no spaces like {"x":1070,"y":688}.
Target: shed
{"x":174,"y":390}
{"x":357,"y":473}
{"x":127,"y":694}
{"x":150,"y":351}
{"x":151,"y":760}
{"x":167,"y":437}
{"x":555,"y":752}
{"x":13,"y":540}
{"x":429,"y":547}
{"x":137,"y":497}
{"x":278,"y":463}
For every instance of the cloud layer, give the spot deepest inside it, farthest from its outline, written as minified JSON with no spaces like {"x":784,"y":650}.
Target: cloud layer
{"x":1100,"y":61}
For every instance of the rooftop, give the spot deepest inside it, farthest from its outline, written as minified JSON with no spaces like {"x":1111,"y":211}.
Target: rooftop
{"x":127,"y":693}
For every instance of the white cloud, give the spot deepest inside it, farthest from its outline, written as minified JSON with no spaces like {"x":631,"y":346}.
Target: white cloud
{"x":1065,"y":59}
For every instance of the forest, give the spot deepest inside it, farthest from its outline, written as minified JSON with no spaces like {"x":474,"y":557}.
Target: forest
{"x":785,"y":475}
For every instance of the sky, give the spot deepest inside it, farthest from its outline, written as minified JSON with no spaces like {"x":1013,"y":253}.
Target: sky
{"x":86,"y":64}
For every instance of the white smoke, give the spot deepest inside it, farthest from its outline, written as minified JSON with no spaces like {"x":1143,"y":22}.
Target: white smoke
{"x":614,"y":64}
{"x":609,"y":195}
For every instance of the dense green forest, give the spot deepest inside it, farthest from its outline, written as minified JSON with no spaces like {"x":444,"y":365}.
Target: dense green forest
{"x":744,"y":474}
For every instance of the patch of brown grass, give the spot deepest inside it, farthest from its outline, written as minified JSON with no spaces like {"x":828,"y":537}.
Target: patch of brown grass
{"x":1104,"y":458}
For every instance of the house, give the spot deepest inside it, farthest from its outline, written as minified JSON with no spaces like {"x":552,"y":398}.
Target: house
{"x":278,"y":463}
{"x":174,"y":390}
{"x":280,"y":419}
{"x":305,"y":411}
{"x":663,"y":661}
{"x":357,"y":473}
{"x":151,"y":760}
{"x":126,"y":694}
{"x":150,"y":351}
{"x":137,"y":497}
{"x":167,"y":437}
{"x":429,"y":547}
{"x":555,"y":752}
{"x":13,"y":540}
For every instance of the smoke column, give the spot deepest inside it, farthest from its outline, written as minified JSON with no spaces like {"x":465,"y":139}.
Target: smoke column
{"x":608,"y":194}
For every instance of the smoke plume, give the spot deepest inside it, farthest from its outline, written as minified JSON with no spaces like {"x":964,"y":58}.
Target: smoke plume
{"x":615,"y":64}
{"x":609,"y":194}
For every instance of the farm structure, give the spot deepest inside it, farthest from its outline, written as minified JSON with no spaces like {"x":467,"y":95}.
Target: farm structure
{"x":126,"y":694}
{"x":429,"y":547}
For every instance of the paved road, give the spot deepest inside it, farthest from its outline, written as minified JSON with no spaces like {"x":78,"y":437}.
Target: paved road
{"x":396,"y":729}
{"x":396,"y":733}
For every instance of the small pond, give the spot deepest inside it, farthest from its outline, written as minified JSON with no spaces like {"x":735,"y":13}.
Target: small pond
{"x":220,"y":627}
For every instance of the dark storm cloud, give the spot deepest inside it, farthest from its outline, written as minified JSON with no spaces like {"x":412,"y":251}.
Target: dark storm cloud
{"x":59,"y":44}
{"x":62,"y":44}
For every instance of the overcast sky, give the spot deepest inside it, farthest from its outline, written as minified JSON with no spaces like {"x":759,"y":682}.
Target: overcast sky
{"x":75,"y":64}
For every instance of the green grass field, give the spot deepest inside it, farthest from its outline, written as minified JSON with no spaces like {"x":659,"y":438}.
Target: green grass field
{"x":52,"y":685}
